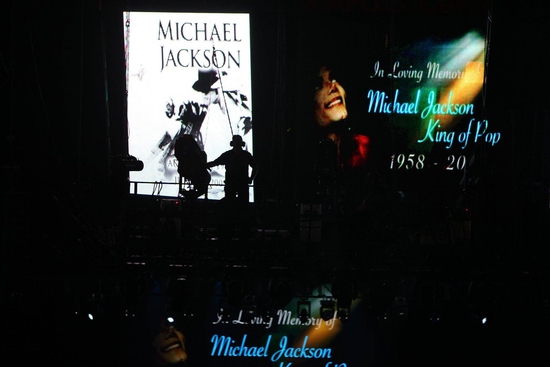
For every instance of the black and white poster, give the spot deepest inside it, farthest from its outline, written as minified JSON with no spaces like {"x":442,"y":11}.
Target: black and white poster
{"x":187,"y":73}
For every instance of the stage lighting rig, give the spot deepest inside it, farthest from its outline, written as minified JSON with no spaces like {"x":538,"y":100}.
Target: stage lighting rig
{"x":327,"y":309}
{"x":128,"y":162}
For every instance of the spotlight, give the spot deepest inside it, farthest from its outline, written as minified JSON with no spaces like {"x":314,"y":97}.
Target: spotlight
{"x":93,"y":312}
{"x":304,"y":310}
{"x":92,"y":309}
{"x":327,"y":309}
{"x":127,"y":162}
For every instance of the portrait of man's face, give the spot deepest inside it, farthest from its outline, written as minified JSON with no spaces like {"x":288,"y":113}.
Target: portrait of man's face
{"x":330,"y":100}
{"x":169,"y":344}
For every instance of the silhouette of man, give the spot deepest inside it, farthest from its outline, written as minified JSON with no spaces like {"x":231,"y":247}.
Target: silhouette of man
{"x":234,"y":205}
{"x":237,"y":162}
{"x":191,"y":161}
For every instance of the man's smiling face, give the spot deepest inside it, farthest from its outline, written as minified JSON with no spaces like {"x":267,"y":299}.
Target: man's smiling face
{"x":170,"y":345}
{"x":330,"y":100}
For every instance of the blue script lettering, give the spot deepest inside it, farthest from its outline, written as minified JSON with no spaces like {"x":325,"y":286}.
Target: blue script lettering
{"x":224,"y":346}
{"x":378,"y":103}
{"x":481,"y":132}
{"x":448,"y":108}
{"x":303,"y":352}
{"x":438,"y":136}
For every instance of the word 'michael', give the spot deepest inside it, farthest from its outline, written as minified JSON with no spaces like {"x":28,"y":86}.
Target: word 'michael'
{"x":202,"y":57}
{"x":189,"y":31}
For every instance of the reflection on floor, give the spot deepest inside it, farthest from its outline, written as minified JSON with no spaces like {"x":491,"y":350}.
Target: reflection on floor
{"x":435,"y":294}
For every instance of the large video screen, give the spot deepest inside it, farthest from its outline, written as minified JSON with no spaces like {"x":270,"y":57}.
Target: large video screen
{"x":186,"y":74}
{"x":393,"y":95}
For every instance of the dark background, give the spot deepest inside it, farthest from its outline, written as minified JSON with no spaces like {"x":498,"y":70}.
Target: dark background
{"x":65,"y":230}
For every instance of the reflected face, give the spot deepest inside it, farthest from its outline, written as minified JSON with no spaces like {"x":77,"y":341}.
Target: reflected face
{"x":330,"y":100}
{"x":169,"y":345}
